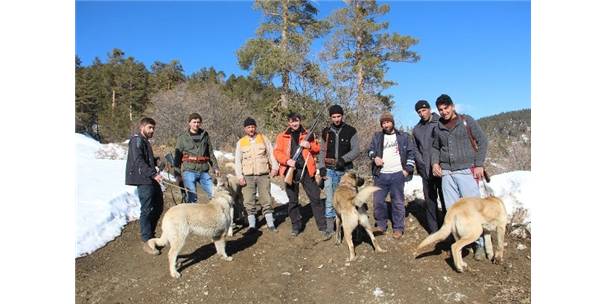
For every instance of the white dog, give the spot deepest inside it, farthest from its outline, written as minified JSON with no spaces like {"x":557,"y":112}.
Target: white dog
{"x":212,"y":219}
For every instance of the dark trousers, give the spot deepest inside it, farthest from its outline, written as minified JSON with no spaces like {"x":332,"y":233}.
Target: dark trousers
{"x":152,"y":204}
{"x":432,"y":188}
{"x":392,"y":183}
{"x":313,"y":193}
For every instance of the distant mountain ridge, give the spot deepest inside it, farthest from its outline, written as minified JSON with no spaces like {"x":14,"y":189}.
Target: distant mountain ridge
{"x":509,"y":142}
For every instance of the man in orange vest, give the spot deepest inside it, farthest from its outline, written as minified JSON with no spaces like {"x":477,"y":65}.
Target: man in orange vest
{"x":287,"y":143}
{"x":255,"y":165}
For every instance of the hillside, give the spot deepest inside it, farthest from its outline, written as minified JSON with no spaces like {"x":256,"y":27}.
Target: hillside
{"x":509,"y":141}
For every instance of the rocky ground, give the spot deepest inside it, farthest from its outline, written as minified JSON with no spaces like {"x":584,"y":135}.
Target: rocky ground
{"x":277,"y":268}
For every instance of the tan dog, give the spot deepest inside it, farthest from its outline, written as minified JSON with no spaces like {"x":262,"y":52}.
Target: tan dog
{"x":467,"y":220}
{"x":212,"y":219}
{"x":347,"y":202}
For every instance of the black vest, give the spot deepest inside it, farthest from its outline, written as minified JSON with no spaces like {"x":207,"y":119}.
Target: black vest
{"x":330,"y":137}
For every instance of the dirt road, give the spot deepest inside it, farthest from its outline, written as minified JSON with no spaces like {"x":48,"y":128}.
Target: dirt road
{"x":277,"y":268}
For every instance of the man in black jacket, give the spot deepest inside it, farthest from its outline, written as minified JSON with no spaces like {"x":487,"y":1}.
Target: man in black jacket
{"x":338,"y":151}
{"x":423,"y":134}
{"x":141,"y":172}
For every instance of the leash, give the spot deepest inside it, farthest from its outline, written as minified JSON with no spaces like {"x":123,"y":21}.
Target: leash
{"x":181,"y":188}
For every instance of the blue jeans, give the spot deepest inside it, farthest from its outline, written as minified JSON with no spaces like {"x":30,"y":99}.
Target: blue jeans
{"x":392,"y":183}
{"x":333,"y":177}
{"x":458,"y":184}
{"x":203,"y":178}
{"x":152,"y":203}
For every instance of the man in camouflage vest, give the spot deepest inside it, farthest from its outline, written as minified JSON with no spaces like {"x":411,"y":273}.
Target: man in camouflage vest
{"x":255,"y":165}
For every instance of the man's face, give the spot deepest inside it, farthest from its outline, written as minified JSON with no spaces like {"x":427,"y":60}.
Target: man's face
{"x":446,"y":111}
{"x":294,"y":123}
{"x":337,"y":119}
{"x":424,"y":113}
{"x":387,"y":126}
{"x":250,"y":130}
{"x":147,"y":130}
{"x":194,"y":125}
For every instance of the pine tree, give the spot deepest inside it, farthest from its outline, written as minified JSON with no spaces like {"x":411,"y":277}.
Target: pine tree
{"x":360,"y":48}
{"x":165,"y":76}
{"x":282,"y":42}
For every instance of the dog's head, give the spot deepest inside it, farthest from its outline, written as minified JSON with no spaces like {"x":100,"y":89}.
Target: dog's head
{"x":351,"y":179}
{"x":227,"y":185}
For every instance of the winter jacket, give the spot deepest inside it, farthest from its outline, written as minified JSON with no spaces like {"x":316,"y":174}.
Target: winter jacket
{"x":452,"y":148}
{"x":140,"y":162}
{"x":339,"y":143}
{"x":405,"y":148}
{"x":186,"y":145}
{"x":283,"y":152}
{"x":423,"y":134}
{"x":254,"y":157}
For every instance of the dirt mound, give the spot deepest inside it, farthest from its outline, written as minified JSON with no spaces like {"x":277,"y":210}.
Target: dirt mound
{"x":277,"y":268}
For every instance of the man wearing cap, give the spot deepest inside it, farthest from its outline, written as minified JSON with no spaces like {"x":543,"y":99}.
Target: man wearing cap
{"x":454,"y":157}
{"x":287,"y":143}
{"x":338,"y":150}
{"x":392,"y":155}
{"x":255,"y":164}
{"x":194,"y":157}
{"x":423,"y":134}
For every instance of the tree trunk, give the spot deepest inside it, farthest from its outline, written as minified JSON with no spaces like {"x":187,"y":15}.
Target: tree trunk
{"x":358,"y":56}
{"x":283,"y":47}
{"x":113,"y":100}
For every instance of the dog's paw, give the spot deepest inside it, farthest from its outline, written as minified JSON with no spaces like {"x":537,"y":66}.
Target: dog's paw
{"x":490,"y":257}
{"x":228,"y":258}
{"x":351,"y":259}
{"x":497,"y":260}
{"x":379,"y":249}
{"x":175,"y":274}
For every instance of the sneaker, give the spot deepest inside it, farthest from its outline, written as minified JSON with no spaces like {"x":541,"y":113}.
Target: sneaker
{"x":479,"y":254}
{"x":397,"y":235}
{"x":149,"y":250}
{"x":376,"y":231}
{"x":272,"y":228}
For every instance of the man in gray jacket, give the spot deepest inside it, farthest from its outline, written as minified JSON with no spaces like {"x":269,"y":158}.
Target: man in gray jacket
{"x":454,"y":157}
{"x":423,"y":134}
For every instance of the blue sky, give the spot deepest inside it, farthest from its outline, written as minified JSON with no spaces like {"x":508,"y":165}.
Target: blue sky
{"x":478,"y":52}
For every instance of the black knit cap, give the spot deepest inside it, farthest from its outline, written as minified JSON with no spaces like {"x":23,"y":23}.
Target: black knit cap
{"x":335,"y":109}
{"x":422,"y":104}
{"x":293,"y":116}
{"x":250,"y":121}
{"x":443,"y":99}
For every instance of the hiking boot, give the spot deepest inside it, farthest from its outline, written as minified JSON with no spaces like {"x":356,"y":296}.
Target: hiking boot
{"x":149,"y":250}
{"x":327,"y":235}
{"x":479,"y":254}
{"x":272,"y":229}
{"x":397,"y":234}
{"x":376,"y":231}
{"x":295,"y":232}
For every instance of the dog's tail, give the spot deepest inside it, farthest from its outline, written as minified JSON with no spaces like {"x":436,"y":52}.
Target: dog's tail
{"x":158,"y":242}
{"x":364,"y":195}
{"x":437,"y":236}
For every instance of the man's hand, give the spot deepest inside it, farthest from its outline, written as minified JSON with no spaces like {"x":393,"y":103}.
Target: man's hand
{"x":273,"y":172}
{"x":158,"y":178}
{"x":405,"y":173}
{"x":291,"y":162}
{"x":378,"y":161}
{"x":304,"y":144}
{"x":478,"y":173}
{"x":437,"y":170}
{"x":242,"y":181}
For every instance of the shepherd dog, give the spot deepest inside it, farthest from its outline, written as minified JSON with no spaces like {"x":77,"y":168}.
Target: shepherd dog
{"x":212,"y":219}
{"x":348,"y":203}
{"x":467,"y":220}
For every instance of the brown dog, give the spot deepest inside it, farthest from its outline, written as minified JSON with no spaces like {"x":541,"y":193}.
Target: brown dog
{"x":347,"y":202}
{"x":467,"y":220}
{"x":212,"y":219}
